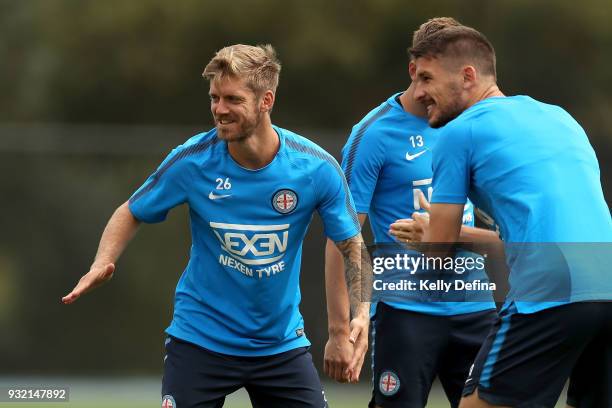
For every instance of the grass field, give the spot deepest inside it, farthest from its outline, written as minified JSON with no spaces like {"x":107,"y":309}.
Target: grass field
{"x":144,"y":393}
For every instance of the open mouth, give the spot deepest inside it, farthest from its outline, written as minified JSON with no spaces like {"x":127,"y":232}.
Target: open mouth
{"x":224,"y":122}
{"x":430,"y":108}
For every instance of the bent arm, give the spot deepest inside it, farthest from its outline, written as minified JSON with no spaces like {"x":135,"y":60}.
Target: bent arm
{"x":478,"y":235}
{"x":119,"y":230}
{"x":444,"y":223}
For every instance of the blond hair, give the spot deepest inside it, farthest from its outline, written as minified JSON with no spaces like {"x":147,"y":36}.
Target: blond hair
{"x":258,"y":65}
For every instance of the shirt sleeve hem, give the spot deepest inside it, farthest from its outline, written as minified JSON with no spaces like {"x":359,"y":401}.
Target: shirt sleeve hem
{"x":141,"y":217}
{"x":448,"y":199}
{"x":344,"y":235}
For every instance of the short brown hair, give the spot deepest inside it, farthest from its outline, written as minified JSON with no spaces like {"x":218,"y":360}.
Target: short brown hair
{"x":258,"y":65}
{"x":433,"y":25}
{"x":459,"y":43}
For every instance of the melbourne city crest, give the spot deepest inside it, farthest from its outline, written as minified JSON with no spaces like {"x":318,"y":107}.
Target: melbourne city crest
{"x":285,"y":201}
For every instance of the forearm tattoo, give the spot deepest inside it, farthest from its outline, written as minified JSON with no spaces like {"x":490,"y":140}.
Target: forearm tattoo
{"x":357,"y":271}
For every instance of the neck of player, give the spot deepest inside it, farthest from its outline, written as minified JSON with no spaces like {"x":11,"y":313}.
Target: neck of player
{"x":484,"y":92}
{"x":259,"y":149}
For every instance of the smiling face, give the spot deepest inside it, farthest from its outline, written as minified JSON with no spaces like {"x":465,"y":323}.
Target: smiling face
{"x":236,"y":109}
{"x":440,"y":87}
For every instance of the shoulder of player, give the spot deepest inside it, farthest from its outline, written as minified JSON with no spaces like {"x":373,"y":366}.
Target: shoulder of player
{"x":199,"y":143}
{"x":455,"y":133}
{"x":369,"y":126}
{"x":370,"y":131}
{"x":310,"y":157}
{"x":300,"y":146}
{"x":193,"y":151}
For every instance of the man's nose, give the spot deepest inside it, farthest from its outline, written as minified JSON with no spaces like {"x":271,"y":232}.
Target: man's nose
{"x":419,"y":93}
{"x":220,"y":107}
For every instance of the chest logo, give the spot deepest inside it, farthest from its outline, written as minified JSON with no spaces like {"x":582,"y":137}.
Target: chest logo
{"x":411,"y":157}
{"x":252,"y":244}
{"x":213,"y":196}
{"x":285,"y":201}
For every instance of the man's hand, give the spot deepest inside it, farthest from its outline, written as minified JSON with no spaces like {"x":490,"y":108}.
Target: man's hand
{"x":118,"y":232}
{"x":359,"y":338}
{"x":338,"y":354}
{"x":412,"y":230}
{"x":96,"y":276}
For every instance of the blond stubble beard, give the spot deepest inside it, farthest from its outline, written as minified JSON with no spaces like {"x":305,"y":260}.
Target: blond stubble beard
{"x":245,"y":131}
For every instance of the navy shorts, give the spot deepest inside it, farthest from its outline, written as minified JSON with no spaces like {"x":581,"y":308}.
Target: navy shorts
{"x":410,"y":349}
{"x":196,"y":377}
{"x":527,"y":358}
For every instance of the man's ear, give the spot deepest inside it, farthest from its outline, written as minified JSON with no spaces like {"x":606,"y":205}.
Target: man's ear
{"x":412,"y":70}
{"x":470,"y":76}
{"x":267,"y":101}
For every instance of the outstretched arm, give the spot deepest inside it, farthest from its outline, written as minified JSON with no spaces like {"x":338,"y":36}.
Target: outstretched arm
{"x":118,"y":232}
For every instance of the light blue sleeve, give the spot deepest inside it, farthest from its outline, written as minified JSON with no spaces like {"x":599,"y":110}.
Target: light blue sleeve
{"x":165,"y":189}
{"x":363,"y":157}
{"x":451,"y":164}
{"x":336,"y":206}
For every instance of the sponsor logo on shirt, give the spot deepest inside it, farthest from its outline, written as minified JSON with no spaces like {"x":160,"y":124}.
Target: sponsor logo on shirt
{"x":251,"y":249}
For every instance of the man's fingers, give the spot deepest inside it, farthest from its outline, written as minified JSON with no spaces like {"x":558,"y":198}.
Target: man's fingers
{"x":76,"y":292}
{"x":419,"y":217}
{"x":339,"y":372}
{"x":402,"y":225}
{"x":358,"y":357}
{"x":89,"y":281}
{"x":326,"y":369}
{"x":423,"y":202}
{"x":360,"y":348}
{"x":407,"y":232}
{"x":69,"y":298}
{"x":355,"y":332}
{"x":403,"y":230}
{"x":357,"y":369}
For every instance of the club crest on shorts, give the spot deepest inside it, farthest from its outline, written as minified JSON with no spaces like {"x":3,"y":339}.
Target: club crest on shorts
{"x":285,"y":201}
{"x":168,"y":402}
{"x":389,"y":383}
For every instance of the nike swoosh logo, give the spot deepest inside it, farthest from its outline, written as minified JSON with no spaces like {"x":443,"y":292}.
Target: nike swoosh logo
{"x":410,"y":157}
{"x":214,"y":196}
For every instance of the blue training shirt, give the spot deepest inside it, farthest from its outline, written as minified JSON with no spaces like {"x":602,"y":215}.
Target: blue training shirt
{"x":239,"y":293}
{"x":387,"y":161}
{"x":530,"y":167}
